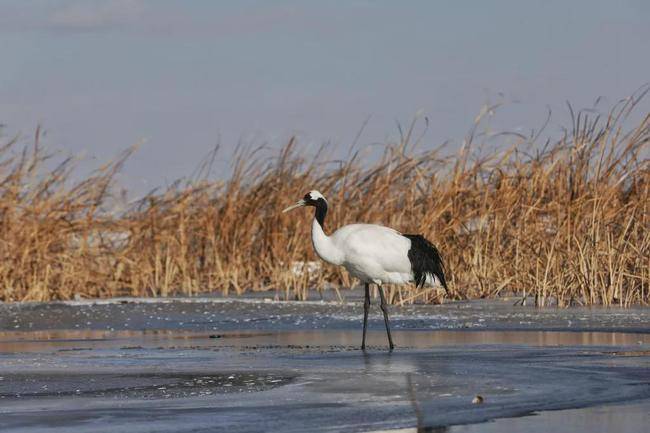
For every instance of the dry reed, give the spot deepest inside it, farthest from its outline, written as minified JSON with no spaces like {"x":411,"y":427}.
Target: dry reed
{"x":566,"y":222}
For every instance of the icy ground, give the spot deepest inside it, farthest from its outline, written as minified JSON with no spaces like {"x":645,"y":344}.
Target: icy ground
{"x":202,"y":365}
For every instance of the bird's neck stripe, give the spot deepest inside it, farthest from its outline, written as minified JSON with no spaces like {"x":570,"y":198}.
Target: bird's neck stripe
{"x":321,"y":211}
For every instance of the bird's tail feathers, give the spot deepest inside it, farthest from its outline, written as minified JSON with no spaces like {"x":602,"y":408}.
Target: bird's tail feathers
{"x":426,"y":262}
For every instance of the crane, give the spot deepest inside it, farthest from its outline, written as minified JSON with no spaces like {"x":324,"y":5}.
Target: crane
{"x":374,"y":254}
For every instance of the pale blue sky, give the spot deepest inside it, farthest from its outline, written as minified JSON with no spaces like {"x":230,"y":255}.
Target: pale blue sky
{"x":101,"y":75}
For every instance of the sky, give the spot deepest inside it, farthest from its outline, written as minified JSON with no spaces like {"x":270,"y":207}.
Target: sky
{"x":181,"y":76}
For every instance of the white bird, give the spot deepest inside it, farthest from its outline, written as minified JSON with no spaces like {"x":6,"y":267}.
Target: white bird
{"x":375,"y":255}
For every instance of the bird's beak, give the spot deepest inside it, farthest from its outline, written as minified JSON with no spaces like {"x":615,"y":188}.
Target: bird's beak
{"x":300,"y":203}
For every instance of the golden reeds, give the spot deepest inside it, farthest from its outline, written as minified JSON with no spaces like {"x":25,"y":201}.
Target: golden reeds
{"x":567,"y":222}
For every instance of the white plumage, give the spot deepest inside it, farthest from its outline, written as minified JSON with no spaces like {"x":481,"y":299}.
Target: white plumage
{"x":374,"y":254}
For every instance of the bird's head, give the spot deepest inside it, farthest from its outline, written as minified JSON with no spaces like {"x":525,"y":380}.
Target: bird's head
{"x":312,"y":198}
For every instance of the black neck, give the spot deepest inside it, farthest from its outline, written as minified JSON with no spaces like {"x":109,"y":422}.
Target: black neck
{"x":321,"y":211}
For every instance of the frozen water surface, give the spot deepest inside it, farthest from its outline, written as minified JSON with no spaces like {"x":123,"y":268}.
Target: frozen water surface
{"x":200,"y":365}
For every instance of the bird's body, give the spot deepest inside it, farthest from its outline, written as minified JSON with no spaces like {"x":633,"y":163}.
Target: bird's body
{"x":372,"y":253}
{"x":375,"y":254}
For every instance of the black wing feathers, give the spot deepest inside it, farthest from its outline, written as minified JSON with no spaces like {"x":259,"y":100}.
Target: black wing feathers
{"x":425,"y":259}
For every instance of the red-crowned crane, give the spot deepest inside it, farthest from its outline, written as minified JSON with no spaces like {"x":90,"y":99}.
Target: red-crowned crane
{"x":374,"y":254}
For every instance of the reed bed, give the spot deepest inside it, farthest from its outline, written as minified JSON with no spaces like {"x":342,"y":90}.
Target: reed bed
{"x":566,"y":222}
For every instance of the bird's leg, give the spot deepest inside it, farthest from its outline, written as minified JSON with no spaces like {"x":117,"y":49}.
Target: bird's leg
{"x":384,"y":310}
{"x":366,"y":307}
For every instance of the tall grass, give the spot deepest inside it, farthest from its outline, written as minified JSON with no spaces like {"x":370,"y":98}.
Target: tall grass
{"x":567,"y":222}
